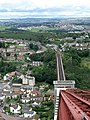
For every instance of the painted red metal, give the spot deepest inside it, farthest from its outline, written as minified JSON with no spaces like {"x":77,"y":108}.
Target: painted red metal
{"x":72,"y":106}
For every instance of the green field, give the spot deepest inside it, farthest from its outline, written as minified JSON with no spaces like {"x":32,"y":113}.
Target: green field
{"x":4,"y":28}
{"x":42,"y":29}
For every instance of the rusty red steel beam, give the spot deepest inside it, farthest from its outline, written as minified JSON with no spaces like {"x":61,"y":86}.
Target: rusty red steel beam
{"x":64,"y":113}
{"x":79,"y":91}
{"x":83,"y":104}
{"x":85,"y":94}
{"x":68,"y":110}
{"x":78,"y":98}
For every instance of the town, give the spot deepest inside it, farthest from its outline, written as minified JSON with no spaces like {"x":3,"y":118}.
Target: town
{"x":28,"y":65}
{"x":19,"y":95}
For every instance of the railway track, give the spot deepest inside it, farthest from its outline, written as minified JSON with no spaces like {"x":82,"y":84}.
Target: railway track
{"x":60,"y":70}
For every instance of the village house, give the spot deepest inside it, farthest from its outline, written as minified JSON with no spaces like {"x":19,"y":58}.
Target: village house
{"x":1,"y":97}
{"x":7,"y":94}
{"x":25,"y":99}
{"x":34,"y":93}
{"x":35,"y":104}
{"x":10,"y":75}
{"x":36,"y":96}
{"x":2,"y":50}
{"x":29,"y":114}
{"x":28,"y":80}
{"x":15,"y":109}
{"x":78,"y":46}
{"x":36,"y":63}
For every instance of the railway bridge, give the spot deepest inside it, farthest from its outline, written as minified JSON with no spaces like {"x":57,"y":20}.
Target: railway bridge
{"x":70,"y":103}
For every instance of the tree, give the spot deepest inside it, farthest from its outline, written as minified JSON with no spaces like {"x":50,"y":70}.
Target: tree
{"x":2,"y":44}
{"x":16,"y":80}
{"x":15,"y":55}
{"x":7,"y":54}
{"x":33,"y":46}
{"x":74,"y":37}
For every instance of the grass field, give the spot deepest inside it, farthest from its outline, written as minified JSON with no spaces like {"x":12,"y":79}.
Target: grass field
{"x":3,"y":28}
{"x":42,"y":29}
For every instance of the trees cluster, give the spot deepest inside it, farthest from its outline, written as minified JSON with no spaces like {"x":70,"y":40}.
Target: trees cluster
{"x":33,"y":47}
{"x":6,"y":67}
{"x":2,"y":45}
{"x":27,"y":35}
{"x":46,"y":110}
{"x":17,"y":80}
{"x":47,"y":71}
{"x":74,"y":70}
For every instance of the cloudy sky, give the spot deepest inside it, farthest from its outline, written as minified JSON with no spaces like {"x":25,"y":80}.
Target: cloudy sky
{"x":44,"y":8}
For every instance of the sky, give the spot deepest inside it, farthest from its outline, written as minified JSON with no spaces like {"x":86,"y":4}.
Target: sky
{"x":44,"y":8}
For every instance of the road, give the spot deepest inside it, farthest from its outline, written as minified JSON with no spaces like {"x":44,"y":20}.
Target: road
{"x":60,"y":70}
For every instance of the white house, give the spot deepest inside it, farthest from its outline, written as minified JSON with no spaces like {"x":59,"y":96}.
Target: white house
{"x":2,"y":97}
{"x":35,"y":104}
{"x":25,"y":100}
{"x":28,"y":80}
{"x":15,"y":109}
{"x":6,"y":77}
{"x":29,"y":114}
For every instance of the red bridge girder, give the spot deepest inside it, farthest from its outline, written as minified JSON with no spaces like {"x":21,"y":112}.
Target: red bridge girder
{"x":72,"y":106}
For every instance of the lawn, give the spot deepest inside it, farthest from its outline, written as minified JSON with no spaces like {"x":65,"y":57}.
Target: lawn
{"x":18,"y":46}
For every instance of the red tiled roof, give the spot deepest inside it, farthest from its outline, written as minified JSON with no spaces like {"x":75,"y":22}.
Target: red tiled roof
{"x":34,"y":92}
